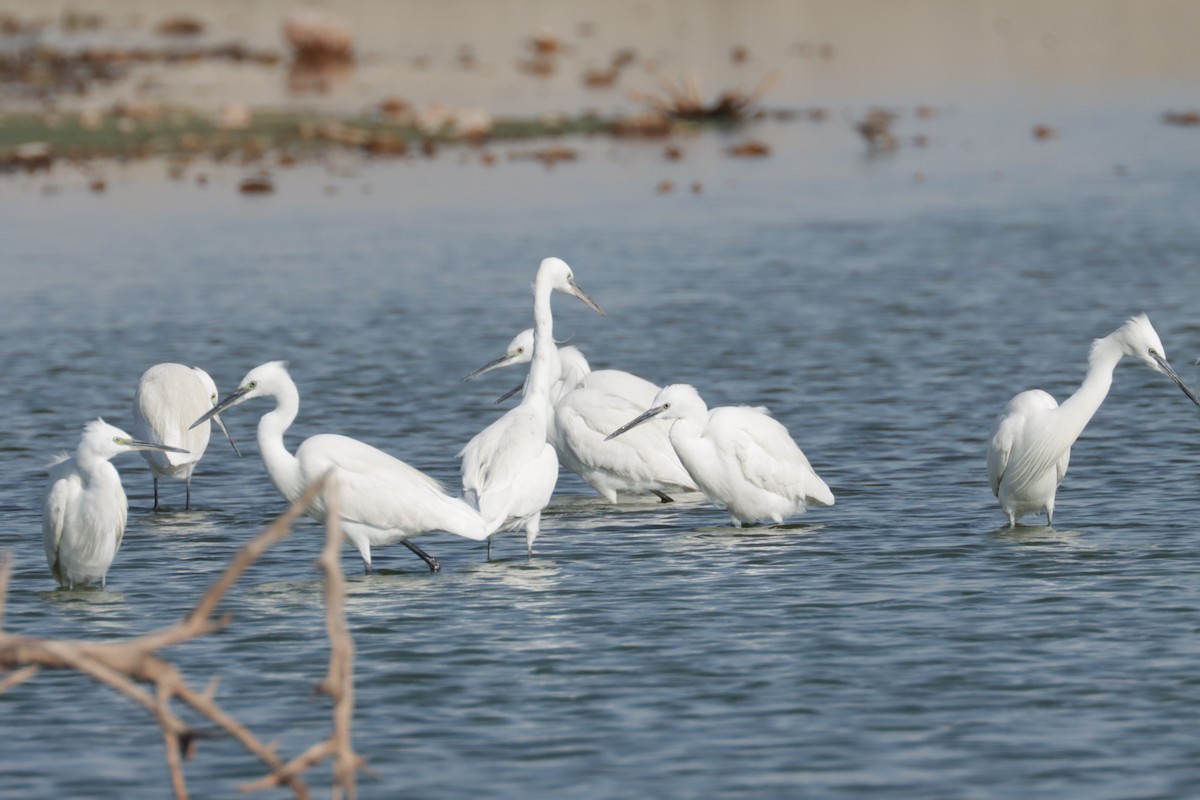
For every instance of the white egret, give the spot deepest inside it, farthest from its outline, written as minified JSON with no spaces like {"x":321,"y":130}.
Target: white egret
{"x":84,"y":510}
{"x":642,"y":462}
{"x":509,"y":469}
{"x":382,"y":500}
{"x":739,"y":456}
{"x":586,"y":406}
{"x":1031,"y":440}
{"x":168,"y":398}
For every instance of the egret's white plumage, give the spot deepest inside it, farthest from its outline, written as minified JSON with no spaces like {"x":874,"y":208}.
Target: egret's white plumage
{"x":84,"y":509}
{"x":168,"y":399}
{"x":1031,"y":440}
{"x":509,"y":469}
{"x":585,"y":406}
{"x":739,"y":456}
{"x":643,"y":461}
{"x":382,"y":500}
{"x":576,"y":373}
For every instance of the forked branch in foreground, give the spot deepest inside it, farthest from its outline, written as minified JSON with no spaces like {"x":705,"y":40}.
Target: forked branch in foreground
{"x":135,"y":669}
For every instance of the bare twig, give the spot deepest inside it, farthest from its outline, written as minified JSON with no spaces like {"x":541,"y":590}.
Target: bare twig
{"x":5,"y":574}
{"x":171,"y":743}
{"x":20,"y":676}
{"x":125,"y":665}
{"x":338,"y":682}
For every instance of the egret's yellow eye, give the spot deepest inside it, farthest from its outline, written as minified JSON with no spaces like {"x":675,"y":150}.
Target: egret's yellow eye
{"x":251,"y":384}
{"x":117,"y":439}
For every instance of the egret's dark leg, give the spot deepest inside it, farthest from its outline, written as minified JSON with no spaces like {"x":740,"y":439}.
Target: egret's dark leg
{"x":663,"y":497}
{"x":366,"y":567}
{"x":187,"y":503}
{"x":156,"y":493}
{"x":434,"y":566}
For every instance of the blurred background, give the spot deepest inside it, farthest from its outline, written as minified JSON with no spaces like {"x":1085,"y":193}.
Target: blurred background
{"x":483,"y":61}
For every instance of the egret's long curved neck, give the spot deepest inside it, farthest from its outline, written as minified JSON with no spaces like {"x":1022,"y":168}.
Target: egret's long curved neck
{"x":282,"y":466}
{"x":90,"y":462}
{"x":689,"y":426}
{"x":544,"y":368}
{"x":1078,"y":409}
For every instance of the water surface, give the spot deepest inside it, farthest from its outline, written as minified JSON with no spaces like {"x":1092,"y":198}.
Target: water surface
{"x":900,"y":643}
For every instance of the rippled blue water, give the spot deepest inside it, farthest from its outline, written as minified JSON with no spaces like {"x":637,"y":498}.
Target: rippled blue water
{"x":900,"y":644}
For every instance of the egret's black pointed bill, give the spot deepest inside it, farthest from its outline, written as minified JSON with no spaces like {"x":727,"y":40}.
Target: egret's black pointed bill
{"x":140,"y":445}
{"x":219,"y":407}
{"x":495,"y":363}
{"x":510,"y":393}
{"x":592,"y":304}
{"x":633,"y":423}
{"x":221,"y":424}
{"x":1170,"y":373}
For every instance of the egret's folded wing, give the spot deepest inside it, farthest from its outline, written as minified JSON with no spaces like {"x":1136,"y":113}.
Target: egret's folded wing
{"x":54,"y":513}
{"x":585,"y":417}
{"x":767,"y":454}
{"x":496,"y":454}
{"x":1011,"y":440}
{"x":381,"y":491}
{"x":1004,"y":432}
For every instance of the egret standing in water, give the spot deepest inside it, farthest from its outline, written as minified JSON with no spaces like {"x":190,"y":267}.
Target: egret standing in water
{"x":587,"y":405}
{"x":382,"y":500}
{"x":1031,"y":440}
{"x":84,"y":510}
{"x":739,"y":456}
{"x":169,"y":397}
{"x":509,"y":469}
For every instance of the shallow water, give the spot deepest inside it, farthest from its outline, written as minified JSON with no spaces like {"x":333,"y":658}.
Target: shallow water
{"x":900,"y":643}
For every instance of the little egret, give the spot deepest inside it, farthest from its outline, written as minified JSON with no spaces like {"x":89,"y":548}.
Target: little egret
{"x":641,"y":462}
{"x":84,"y":510}
{"x":382,"y":500}
{"x":586,"y":405}
{"x":168,"y":398}
{"x":1031,"y":440}
{"x":740,"y":457}
{"x":509,"y":469}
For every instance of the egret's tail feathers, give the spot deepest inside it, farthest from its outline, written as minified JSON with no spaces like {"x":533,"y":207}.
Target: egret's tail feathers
{"x":465,"y":521}
{"x":59,"y":458}
{"x":493,"y":507}
{"x":819,"y":494}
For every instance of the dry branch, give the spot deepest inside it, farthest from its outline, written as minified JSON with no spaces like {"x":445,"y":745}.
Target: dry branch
{"x":338,"y":682}
{"x":125,"y":666}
